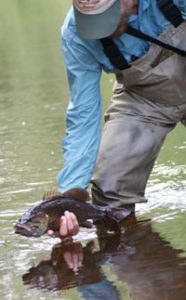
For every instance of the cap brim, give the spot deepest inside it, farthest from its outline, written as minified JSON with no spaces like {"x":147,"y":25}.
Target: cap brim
{"x":100,"y":25}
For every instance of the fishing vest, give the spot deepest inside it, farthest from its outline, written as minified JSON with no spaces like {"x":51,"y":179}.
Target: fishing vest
{"x":171,"y":13}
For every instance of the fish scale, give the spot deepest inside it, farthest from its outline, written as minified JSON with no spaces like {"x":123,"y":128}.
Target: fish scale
{"x":46,"y":215}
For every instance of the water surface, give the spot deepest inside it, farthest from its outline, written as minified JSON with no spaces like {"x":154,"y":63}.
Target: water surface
{"x":149,"y":259}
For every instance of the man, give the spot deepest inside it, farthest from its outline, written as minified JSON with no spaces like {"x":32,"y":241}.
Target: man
{"x":148,"y":97}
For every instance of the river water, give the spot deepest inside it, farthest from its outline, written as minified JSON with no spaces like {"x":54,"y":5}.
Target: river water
{"x":149,"y":260}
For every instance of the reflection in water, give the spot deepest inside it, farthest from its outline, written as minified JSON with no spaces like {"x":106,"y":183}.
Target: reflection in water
{"x":141,"y":259}
{"x":58,"y":274}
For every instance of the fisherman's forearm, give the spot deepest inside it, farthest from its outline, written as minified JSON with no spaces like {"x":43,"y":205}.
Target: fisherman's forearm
{"x":80,"y":147}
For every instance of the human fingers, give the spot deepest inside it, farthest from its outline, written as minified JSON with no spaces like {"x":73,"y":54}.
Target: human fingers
{"x":50,"y":233}
{"x":69,"y":225}
{"x":53,"y":234}
{"x":63,"y":227}
{"x":74,"y":224}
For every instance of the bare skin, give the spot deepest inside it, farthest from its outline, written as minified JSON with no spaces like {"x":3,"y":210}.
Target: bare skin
{"x":128,"y":7}
{"x":69,"y":225}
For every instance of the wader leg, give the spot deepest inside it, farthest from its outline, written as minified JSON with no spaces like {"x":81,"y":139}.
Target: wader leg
{"x":131,"y":140}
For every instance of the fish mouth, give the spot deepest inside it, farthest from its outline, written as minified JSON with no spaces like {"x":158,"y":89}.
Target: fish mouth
{"x":23,"y":230}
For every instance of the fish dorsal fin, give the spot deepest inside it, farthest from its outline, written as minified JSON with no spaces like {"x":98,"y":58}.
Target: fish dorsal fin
{"x":77,"y":193}
{"x":49,"y":195}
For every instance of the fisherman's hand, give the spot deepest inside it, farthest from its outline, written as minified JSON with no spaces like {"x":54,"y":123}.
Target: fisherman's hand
{"x":68,"y":226}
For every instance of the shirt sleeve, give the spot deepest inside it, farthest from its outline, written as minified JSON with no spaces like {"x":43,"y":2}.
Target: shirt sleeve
{"x":83,"y":117}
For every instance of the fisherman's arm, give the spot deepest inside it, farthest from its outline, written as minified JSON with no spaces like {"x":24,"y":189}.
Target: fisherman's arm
{"x":83,"y":127}
{"x":83,"y":124}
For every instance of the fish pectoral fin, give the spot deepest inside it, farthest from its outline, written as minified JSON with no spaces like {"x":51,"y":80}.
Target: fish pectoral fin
{"x":87,"y":224}
{"x":77,"y":193}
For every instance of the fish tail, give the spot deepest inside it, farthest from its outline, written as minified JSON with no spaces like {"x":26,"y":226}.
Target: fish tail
{"x":115,"y":216}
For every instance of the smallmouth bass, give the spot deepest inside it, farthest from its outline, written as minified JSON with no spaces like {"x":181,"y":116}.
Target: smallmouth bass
{"x":46,"y":214}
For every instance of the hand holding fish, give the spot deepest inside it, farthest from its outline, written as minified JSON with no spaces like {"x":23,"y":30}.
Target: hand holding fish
{"x":61,"y":215}
{"x":69,"y":226}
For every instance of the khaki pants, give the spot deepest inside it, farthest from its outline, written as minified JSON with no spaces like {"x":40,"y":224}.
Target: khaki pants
{"x":149,"y":99}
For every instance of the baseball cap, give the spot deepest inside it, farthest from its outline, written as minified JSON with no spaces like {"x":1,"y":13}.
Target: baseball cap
{"x":96,"y":19}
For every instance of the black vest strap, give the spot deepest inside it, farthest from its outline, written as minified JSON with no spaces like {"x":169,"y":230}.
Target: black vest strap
{"x":113,"y":53}
{"x":170,"y":11}
{"x":132,"y":31}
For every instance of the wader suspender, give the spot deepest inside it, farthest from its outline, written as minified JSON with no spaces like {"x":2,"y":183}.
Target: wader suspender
{"x":170,"y":11}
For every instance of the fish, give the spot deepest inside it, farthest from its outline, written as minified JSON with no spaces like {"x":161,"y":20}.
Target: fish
{"x":46,"y":214}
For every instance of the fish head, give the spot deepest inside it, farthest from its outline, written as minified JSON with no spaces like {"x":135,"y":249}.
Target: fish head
{"x":32,"y":225}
